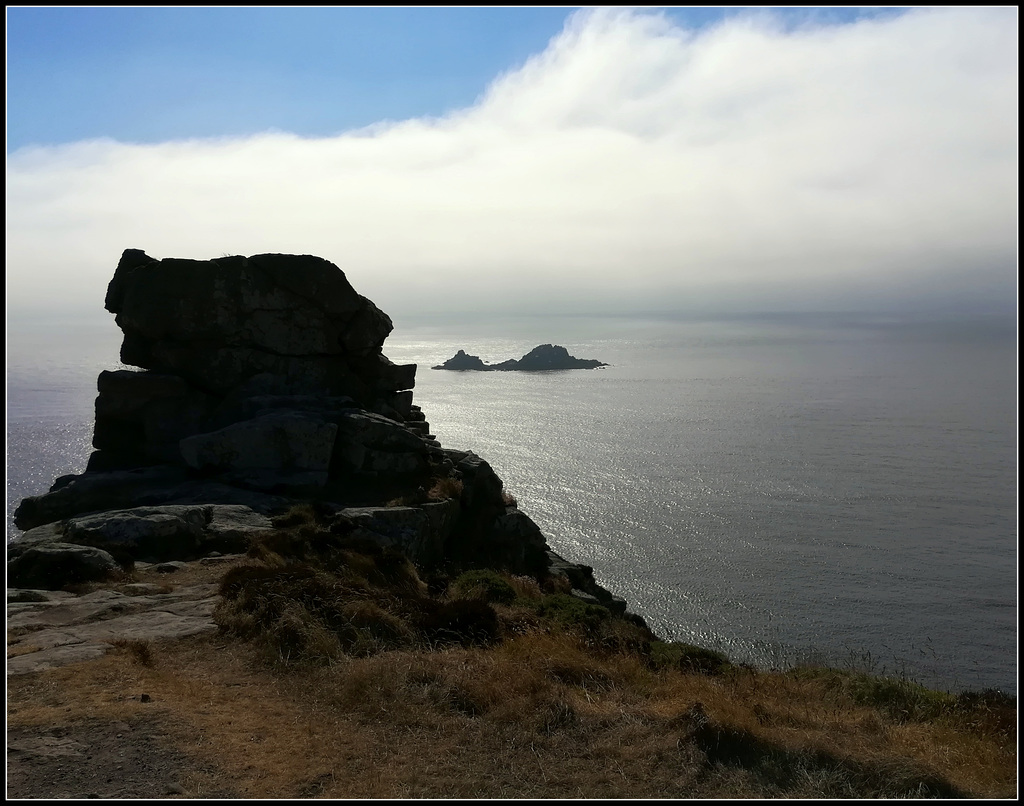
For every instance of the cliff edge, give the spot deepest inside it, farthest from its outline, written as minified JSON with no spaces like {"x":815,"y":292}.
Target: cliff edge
{"x":262,"y":384}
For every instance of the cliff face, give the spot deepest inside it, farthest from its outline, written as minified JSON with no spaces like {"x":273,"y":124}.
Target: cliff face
{"x":262,"y":384}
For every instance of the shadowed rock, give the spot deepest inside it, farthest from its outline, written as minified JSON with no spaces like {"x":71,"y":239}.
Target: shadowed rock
{"x":152,"y":534}
{"x":53,"y":565}
{"x":217,"y":323}
{"x":286,"y":447}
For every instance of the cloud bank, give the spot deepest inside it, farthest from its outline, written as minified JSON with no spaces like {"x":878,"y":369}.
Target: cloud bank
{"x":633,"y":165}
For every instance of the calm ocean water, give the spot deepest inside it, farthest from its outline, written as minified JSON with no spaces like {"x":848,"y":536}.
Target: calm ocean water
{"x":782,"y":489}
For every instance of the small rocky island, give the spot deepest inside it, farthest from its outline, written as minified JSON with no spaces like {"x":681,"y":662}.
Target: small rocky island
{"x":540,"y":358}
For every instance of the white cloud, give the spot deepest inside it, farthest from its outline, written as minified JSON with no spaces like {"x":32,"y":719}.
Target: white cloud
{"x":633,"y":162}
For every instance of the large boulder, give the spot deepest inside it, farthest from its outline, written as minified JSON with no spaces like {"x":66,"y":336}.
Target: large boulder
{"x":92,"y":492}
{"x":217,"y":323}
{"x":420,"y":533}
{"x":230,"y":527}
{"x":515,"y":541}
{"x":96,"y":492}
{"x":237,"y":301}
{"x":482,"y":487}
{"x":153,"y":533}
{"x":143,"y":416}
{"x":281,"y":448}
{"x":53,"y":565}
{"x":371,"y":443}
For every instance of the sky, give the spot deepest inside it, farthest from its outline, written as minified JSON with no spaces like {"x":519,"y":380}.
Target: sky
{"x":545,"y":160}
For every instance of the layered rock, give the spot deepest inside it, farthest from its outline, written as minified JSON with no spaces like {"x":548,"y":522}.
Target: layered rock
{"x":540,"y":358}
{"x":220,"y":323}
{"x":269,"y":351}
{"x":262,"y":383}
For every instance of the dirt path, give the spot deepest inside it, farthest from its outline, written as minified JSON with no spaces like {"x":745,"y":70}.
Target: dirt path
{"x":98,"y":759}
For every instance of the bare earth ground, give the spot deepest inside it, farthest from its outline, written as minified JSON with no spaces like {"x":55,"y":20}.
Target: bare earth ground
{"x":94,"y":758}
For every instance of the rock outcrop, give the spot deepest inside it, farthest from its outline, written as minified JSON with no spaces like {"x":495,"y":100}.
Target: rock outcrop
{"x":540,"y":358}
{"x":262,"y":384}
{"x":253,"y":360}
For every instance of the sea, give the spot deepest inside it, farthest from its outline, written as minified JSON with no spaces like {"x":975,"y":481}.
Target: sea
{"x":789,"y":489}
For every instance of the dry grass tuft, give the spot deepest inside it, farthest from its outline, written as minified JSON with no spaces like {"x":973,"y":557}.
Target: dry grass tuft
{"x":445,"y":488}
{"x":140,"y":651}
{"x":525,"y":587}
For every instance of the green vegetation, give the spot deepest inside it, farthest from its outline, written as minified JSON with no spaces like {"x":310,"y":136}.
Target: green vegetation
{"x":903,"y":700}
{"x":688,"y":658}
{"x":483,"y":584}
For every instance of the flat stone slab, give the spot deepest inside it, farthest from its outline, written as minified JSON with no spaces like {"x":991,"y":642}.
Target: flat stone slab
{"x":56,"y":628}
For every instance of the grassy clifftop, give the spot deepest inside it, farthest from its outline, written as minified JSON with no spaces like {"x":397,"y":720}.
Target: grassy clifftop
{"x":339,"y":672}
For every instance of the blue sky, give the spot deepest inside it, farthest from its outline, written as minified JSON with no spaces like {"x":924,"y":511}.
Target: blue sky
{"x":146,"y":75}
{"x":450,"y":158}
{"x":154,"y":74}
